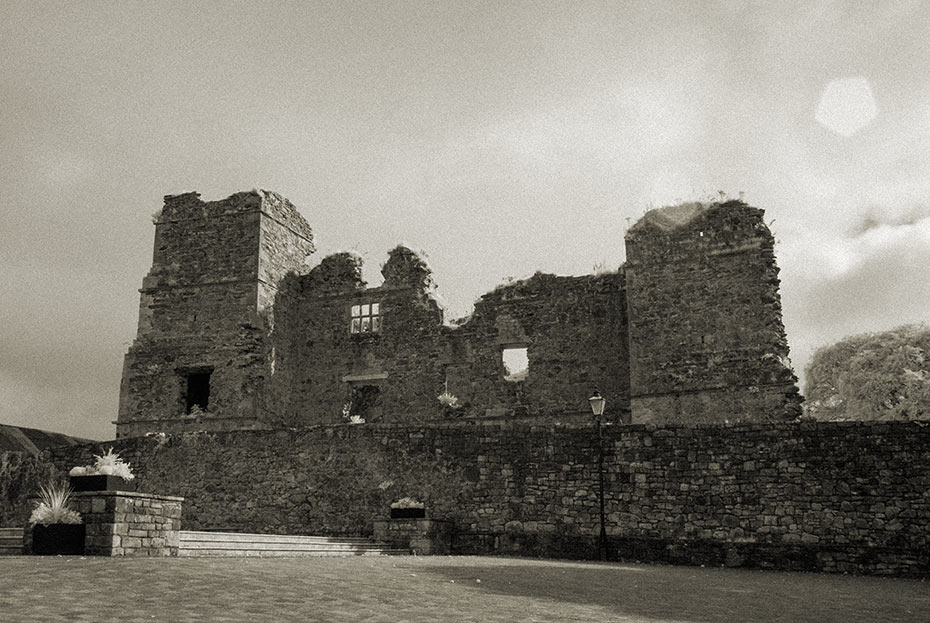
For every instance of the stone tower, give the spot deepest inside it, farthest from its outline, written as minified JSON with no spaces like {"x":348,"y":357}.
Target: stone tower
{"x":707,"y":343}
{"x":201,"y":355}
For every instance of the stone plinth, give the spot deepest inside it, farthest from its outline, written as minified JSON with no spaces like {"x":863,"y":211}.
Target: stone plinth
{"x":124,"y":523}
{"x":424,"y":537}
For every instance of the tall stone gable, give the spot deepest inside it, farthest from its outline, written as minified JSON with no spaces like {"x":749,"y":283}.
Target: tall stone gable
{"x":201,"y":351}
{"x":707,"y":343}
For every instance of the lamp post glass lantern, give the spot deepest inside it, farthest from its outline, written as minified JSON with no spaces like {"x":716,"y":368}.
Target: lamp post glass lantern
{"x":597,"y":404}
{"x":597,"y":408}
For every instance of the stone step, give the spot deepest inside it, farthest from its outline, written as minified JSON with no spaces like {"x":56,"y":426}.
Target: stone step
{"x":197,"y":543}
{"x":268,"y":553}
{"x":234,"y":537}
{"x":269,"y":545}
{"x":11,"y":541}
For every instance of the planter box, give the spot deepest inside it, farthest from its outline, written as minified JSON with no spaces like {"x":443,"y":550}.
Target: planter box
{"x":101,"y":482}
{"x":58,"y":539}
{"x":408,"y":513}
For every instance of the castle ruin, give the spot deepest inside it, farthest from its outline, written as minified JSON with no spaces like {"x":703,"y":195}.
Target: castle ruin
{"x":254,"y":367}
{"x":236,"y":333}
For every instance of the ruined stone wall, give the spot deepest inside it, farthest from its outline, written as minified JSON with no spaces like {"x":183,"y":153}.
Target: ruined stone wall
{"x":285,"y":243}
{"x":574,"y":330}
{"x":575,"y":333}
{"x":706,"y":335}
{"x":688,"y":331}
{"x":203,"y":309}
{"x":323,"y":366}
{"x":814,"y":496}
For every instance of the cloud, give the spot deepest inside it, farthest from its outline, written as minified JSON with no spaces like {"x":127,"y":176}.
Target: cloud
{"x":872,"y":280}
{"x":883,"y":220}
{"x":503,"y":142}
{"x":873,"y":243}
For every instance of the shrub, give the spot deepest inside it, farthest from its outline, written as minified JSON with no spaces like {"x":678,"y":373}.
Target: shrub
{"x":872,"y":376}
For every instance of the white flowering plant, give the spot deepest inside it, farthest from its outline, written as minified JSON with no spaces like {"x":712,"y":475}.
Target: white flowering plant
{"x":407,"y":502}
{"x":348,"y":416}
{"x":109,"y":464}
{"x":52,"y":507}
{"x":448,"y":400}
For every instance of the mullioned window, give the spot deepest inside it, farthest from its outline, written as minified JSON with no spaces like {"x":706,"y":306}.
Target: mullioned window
{"x":366,"y":318}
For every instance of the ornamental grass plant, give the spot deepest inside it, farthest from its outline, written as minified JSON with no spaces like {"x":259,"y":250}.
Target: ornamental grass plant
{"x":53,"y":506}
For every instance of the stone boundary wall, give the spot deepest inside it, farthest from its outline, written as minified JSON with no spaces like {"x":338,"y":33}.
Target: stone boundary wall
{"x":844,"y":497}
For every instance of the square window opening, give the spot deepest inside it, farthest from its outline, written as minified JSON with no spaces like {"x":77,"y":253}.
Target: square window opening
{"x":198,"y":390}
{"x":364,"y":403}
{"x":516,"y":363}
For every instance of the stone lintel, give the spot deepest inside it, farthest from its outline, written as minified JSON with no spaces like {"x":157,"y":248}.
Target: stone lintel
{"x":355,"y":378}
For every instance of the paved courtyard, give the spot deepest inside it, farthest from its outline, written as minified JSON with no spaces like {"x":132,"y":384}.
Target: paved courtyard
{"x":398,"y":589}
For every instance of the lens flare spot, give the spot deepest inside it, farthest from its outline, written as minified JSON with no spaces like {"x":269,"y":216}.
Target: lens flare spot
{"x":847,"y":106}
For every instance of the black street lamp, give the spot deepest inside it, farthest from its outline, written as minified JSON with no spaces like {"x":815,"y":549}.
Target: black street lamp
{"x":597,"y":408}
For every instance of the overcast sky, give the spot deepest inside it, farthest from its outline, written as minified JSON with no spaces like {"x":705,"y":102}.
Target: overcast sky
{"x":500,"y":138}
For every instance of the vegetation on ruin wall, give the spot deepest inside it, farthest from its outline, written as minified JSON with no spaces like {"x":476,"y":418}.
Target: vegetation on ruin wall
{"x":883,"y":376}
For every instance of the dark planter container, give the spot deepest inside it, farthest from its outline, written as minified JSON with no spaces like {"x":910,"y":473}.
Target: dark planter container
{"x":408,"y":513}
{"x":58,"y":538}
{"x":101,"y":483}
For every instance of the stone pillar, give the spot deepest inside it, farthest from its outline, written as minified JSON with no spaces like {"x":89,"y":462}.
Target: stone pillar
{"x":423,"y":537}
{"x":124,"y":523}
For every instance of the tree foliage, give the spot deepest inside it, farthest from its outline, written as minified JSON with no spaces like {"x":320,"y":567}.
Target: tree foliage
{"x":873,"y":376}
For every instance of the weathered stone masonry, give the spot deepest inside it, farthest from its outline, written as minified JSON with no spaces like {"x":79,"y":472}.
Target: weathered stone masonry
{"x":706,"y":334}
{"x":816,"y":496}
{"x":689,"y":330}
{"x":206,"y":308}
{"x":122,"y":523}
{"x":573,"y":329}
